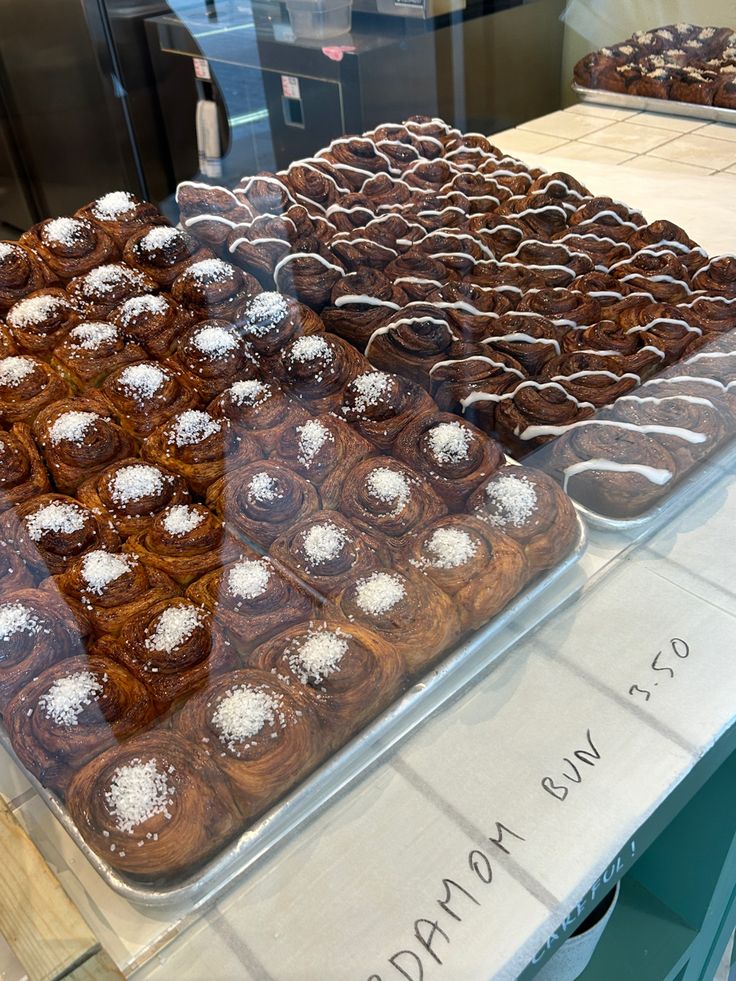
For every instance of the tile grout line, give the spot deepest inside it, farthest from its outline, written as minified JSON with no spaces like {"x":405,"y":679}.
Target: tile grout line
{"x":231,"y":937}
{"x":509,"y":864}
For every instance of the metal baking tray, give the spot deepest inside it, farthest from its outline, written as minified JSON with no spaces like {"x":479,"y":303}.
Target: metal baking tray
{"x":458,"y":668}
{"x":621,"y":100}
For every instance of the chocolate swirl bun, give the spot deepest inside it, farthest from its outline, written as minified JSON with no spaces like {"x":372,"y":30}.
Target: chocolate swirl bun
{"x":612,"y":470}
{"x":163,"y":253}
{"x":312,"y":186}
{"x":7,"y":344}
{"x":607,"y":340}
{"x":601,"y":250}
{"x":348,"y":673}
{"x":539,"y":218}
{"x":73,"y":711}
{"x":98,"y":292}
{"x":555,"y":263}
{"x":157,"y":791}
{"x":379,"y":405}
{"x":271,"y":320}
{"x":589,"y":377}
{"x":113,"y":588}
{"x":70,"y":246}
{"x":418,"y":275}
{"x":215,"y":289}
{"x":717,"y":276}
{"x":27,"y":385}
{"x":561,"y":186}
{"x":317,"y":367}
{"x":665,"y":236}
{"x":91,"y":351}
{"x":146,"y":395}
{"x":353,"y":213}
{"x":458,"y":253}
{"x":185,"y":541}
{"x":472,"y":310}
{"x":78,"y":438}
{"x":617,"y":219}
{"x":173,"y":647}
{"x":412,"y":342}
{"x":21,"y":273}
{"x":356,"y":251}
{"x":260,"y":245}
{"x":154,"y":322}
{"x":130,"y":494}
{"x":407,"y":610}
{"x":38,"y":629}
{"x":500,"y":233}
{"x":22,"y":472}
{"x":535,"y":404}
{"x":355,"y":159}
{"x":14,"y":574}
{"x":481,"y":568}
{"x":51,"y":531}
{"x":489,"y":372}
{"x":41,"y":320}
{"x":528,"y":506}
{"x":712,"y":314}
{"x":562,"y":306}
{"x":307,"y":276}
{"x":260,"y":731}
{"x":199,"y":447}
{"x":121,"y":214}
{"x":210,"y":213}
{"x":362,"y":302}
{"x":252,"y":599}
{"x":319,"y":448}
{"x":263,"y":500}
{"x":530,"y":339}
{"x":211,"y":356}
{"x":659,"y":273}
{"x":385,"y":190}
{"x":266,"y":193}
{"x":664,"y":326}
{"x":450,"y":453}
{"x":511,"y":278}
{"x":384,"y":496}
{"x":325,"y":550}
{"x":260,"y":408}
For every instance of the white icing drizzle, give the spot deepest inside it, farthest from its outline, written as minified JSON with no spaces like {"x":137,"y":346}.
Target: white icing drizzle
{"x":688,"y":435}
{"x":652,"y":474}
{"x":477,"y":357}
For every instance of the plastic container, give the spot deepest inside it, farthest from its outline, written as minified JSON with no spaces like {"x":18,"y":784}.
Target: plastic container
{"x":320,"y":18}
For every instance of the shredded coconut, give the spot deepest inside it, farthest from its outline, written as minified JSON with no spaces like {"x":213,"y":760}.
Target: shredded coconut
{"x":14,"y":370}
{"x":389,"y":486}
{"x":379,"y":593}
{"x":449,"y":442}
{"x":371,"y":388}
{"x":59,"y":517}
{"x":242,"y":713}
{"x":324,"y":542}
{"x":318,"y":656}
{"x":249,"y":392}
{"x":159,"y":238}
{"x":310,"y":348}
{"x":66,"y":699}
{"x":7,"y":249}
{"x":312,"y":437}
{"x":136,"y":481}
{"x":138,"y":791}
{"x":210,"y":271}
{"x":248,"y":579}
{"x":15,"y":618}
{"x":264,"y":312}
{"x":173,"y":627}
{"x":181,"y":519}
{"x":105,"y":279}
{"x":193,"y":426}
{"x":138,"y":305}
{"x":93,"y":334}
{"x":514,"y":500}
{"x":65,"y":231}
{"x":450,"y":548}
{"x":142,"y":381}
{"x":215,"y":342}
{"x":111,"y":206}
{"x":72,"y":426}
{"x":100,"y":568}
{"x":34,"y":310}
{"x":263,"y":487}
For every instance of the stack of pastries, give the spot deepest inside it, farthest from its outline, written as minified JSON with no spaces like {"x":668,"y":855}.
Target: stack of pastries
{"x":514,"y":297}
{"x":227,"y":540}
{"x":679,"y":62}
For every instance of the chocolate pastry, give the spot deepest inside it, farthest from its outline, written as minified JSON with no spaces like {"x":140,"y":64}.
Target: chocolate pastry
{"x":121,"y":214}
{"x":210,"y":356}
{"x":212,"y":288}
{"x":21,"y":273}
{"x":70,"y":246}
{"x":97,"y":293}
{"x":271,"y":320}
{"x":163,"y":253}
{"x":317,"y":368}
{"x":154,"y":322}
{"x":319,"y":448}
{"x":22,"y":472}
{"x":93,"y":350}
{"x":27,"y":385}
{"x":146,"y":395}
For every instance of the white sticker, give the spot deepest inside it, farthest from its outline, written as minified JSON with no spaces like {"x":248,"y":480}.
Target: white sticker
{"x":290,"y":86}
{"x":202,"y":69}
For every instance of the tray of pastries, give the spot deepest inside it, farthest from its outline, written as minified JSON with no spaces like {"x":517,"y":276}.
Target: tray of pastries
{"x":238,"y":559}
{"x":689,"y":67}
{"x":576,"y":332}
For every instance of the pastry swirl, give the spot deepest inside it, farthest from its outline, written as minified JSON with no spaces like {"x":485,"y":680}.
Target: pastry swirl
{"x":412,"y":342}
{"x":50,"y":531}
{"x":41,"y":320}
{"x":163,"y":253}
{"x":717,"y":276}
{"x":27,"y":385}
{"x":666,"y":327}
{"x":21,"y":273}
{"x":154,"y":322}
{"x":529,"y":338}
{"x":590,"y":377}
{"x":73,"y":711}
{"x":490,"y":372}
{"x":271,"y":320}
{"x":361,"y":303}
{"x":262,"y":500}
{"x":70,"y":246}
{"x":214,"y":289}
{"x":185,"y":541}
{"x":418,"y":275}
{"x":379,"y":405}
{"x":209,"y":213}
{"x":348,"y":673}
{"x":258,"y":246}
{"x":562,"y":306}
{"x":131,"y":493}
{"x":659,"y":273}
{"x":22,"y":473}
{"x":260,"y":731}
{"x":320,"y":448}
{"x":145,"y":395}
{"x":532,"y":404}
{"x":97,"y":293}
{"x":181,"y":810}
{"x":211,"y":356}
{"x":309,"y":277}
{"x":252,"y":599}
{"x":712,"y":314}
{"x":481,"y":568}
{"x":261,"y":408}
{"x":121,"y":214}
{"x":266,"y":193}
{"x":38,"y":629}
{"x":91,"y":351}
{"x":316,"y":369}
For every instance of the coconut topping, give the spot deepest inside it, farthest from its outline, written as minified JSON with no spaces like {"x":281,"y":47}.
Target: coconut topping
{"x":312,"y":437}
{"x":100,"y":568}
{"x":310,"y":348}
{"x":93,"y":334}
{"x":72,"y":426}
{"x":214,"y":341}
{"x":249,"y":392}
{"x":449,"y":442}
{"x":34,"y":310}
{"x":138,"y":305}
{"x":6,"y":249}
{"x":173,"y":627}
{"x":15,"y":618}
{"x":390,"y":486}
{"x":138,"y":791}
{"x":242,"y":713}
{"x":318,"y":656}
{"x":449,"y":548}
{"x":262,"y":487}
{"x":248,"y":579}
{"x":264,"y":312}
{"x":379,"y":593}
{"x":513,"y":499}
{"x":181,"y":519}
{"x":64,"y":231}
{"x":142,"y":381}
{"x":135,"y":482}
{"x":159,"y":238}
{"x":111,"y":206}
{"x":67,"y":698}
{"x":324,"y":542}
{"x":193,"y":426}
{"x":58,"y":517}
{"x":210,"y":271}
{"x":371,"y":388}
{"x":14,"y":370}
{"x":105,"y":279}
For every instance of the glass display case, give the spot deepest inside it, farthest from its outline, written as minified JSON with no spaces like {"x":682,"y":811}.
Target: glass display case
{"x":367,"y":399}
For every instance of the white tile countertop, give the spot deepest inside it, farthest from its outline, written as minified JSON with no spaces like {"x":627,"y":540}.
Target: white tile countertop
{"x":465,"y":848}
